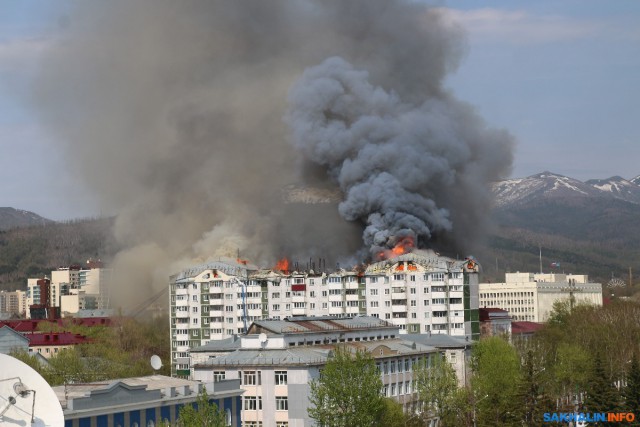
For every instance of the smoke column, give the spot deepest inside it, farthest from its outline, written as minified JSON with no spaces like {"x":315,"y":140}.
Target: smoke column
{"x":409,"y":168}
{"x":172,"y":113}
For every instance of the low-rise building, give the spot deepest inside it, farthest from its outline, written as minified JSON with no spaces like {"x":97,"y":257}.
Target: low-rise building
{"x":11,"y":340}
{"x":530,"y":296}
{"x":142,"y":401}
{"x":277,"y":360}
{"x":495,"y":322}
{"x":51,"y":343}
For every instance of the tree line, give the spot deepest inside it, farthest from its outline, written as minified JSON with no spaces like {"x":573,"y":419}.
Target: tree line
{"x":585,"y":360}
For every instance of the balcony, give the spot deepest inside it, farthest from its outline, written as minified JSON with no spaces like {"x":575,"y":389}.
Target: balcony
{"x":398,"y":308}
{"x":351,"y":285}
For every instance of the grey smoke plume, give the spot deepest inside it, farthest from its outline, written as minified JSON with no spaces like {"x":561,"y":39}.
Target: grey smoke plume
{"x":405,"y":166}
{"x":171,"y":112}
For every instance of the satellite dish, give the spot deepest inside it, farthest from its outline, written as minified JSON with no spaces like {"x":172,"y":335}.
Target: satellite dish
{"x":26,"y":399}
{"x":262,"y":338}
{"x":156,"y":362}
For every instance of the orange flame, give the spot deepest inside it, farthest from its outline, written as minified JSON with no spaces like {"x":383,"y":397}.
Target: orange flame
{"x":282,"y":265}
{"x":404,"y":245}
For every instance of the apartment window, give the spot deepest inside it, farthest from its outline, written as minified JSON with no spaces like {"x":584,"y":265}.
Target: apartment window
{"x":312,"y":305}
{"x":387,"y":316}
{"x":386,"y":291}
{"x":392,"y":367}
{"x":195,"y":298}
{"x":275,"y":295}
{"x":276,"y":307}
{"x":374,"y":303}
{"x":373,"y":292}
{"x":251,"y":378}
{"x":373,"y":280}
{"x":413,"y":303}
{"x":282,"y":424}
{"x":312,"y":294}
{"x":282,"y":403}
{"x":393,"y":389}
{"x":219,"y":375}
{"x":281,"y":377}
{"x":252,"y":403}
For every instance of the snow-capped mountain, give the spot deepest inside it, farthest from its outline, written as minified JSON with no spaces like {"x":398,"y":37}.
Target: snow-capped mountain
{"x":543,"y":185}
{"x":548,"y":185}
{"x":619,"y":187}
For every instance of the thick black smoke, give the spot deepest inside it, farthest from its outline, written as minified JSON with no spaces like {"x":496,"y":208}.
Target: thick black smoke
{"x":405,"y":166}
{"x":171,"y":112}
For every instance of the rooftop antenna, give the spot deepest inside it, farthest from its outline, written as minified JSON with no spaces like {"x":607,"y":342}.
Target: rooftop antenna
{"x":25,"y":397}
{"x":156,"y":362}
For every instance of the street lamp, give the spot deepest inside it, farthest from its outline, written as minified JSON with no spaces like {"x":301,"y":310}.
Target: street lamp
{"x":475,"y":402}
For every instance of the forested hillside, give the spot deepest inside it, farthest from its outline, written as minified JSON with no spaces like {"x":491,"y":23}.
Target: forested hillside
{"x":35,"y":251}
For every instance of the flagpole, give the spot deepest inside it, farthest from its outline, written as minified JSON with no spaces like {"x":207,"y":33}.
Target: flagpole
{"x":540,"y":247}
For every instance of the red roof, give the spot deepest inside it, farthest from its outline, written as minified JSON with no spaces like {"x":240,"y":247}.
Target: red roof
{"x":31,"y":325}
{"x":55,"y":338}
{"x":525,"y":327}
{"x":493,"y":313}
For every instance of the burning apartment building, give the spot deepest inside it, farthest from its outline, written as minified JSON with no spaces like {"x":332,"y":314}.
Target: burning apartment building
{"x":418,"y":291}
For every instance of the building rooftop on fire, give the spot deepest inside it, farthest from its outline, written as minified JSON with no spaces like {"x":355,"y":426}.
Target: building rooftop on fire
{"x":417,"y":293}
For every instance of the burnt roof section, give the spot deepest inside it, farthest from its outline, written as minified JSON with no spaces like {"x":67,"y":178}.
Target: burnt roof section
{"x":303,"y":324}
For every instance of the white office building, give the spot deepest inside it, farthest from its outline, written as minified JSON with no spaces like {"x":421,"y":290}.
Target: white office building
{"x":277,"y":359}
{"x":530,"y":296}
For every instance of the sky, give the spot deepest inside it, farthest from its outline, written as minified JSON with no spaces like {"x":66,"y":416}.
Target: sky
{"x":562,"y":77}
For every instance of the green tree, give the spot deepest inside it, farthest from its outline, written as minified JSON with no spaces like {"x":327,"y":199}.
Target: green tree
{"x":496,"y":373}
{"x":203,"y":414}
{"x":392,"y":414}
{"x":348,"y":392}
{"x":436,"y":383}
{"x":602,"y":395}
{"x":632,"y":389}
{"x":532,"y":397}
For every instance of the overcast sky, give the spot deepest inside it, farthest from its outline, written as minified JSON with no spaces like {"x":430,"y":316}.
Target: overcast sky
{"x":563,"y":77}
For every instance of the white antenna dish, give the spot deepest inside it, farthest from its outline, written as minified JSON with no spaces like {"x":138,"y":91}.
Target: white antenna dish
{"x":262,"y":338}
{"x":156,"y":362}
{"x":26,"y":399}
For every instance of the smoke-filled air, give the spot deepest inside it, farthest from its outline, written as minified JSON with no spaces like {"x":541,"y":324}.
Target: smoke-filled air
{"x":193,"y":121}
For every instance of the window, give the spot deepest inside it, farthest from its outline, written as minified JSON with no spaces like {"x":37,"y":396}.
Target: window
{"x":252,"y":403}
{"x":280,"y":424}
{"x":374,"y":303}
{"x":373,"y":292}
{"x":276,"y":307}
{"x":251,"y":378}
{"x":282,"y":403}
{"x":219,"y":375}
{"x":281,"y":377}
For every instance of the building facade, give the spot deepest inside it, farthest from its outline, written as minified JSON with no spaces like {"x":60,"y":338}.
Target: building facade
{"x":530,"y":296}
{"x":277,"y":359}
{"x":74,"y":288}
{"x":418,"y":292}
{"x":13,"y":302}
{"x":142,"y":401}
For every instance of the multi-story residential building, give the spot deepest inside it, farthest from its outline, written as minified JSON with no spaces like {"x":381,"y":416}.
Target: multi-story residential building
{"x":277,"y":359}
{"x":74,"y":288}
{"x":419,"y":292}
{"x":530,"y":296}
{"x":13,"y":302}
